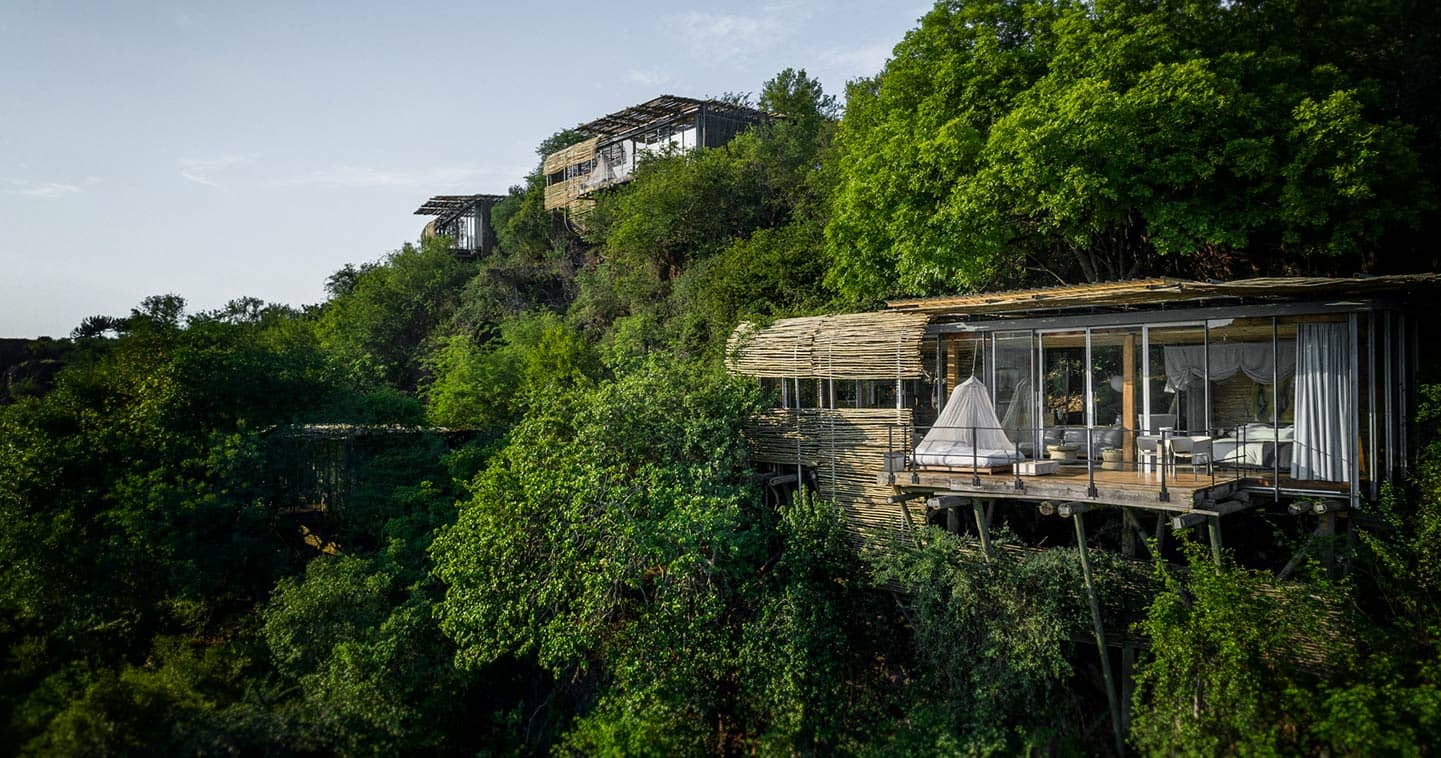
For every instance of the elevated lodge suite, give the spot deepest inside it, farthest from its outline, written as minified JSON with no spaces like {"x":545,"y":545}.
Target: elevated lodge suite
{"x":1158,"y":394}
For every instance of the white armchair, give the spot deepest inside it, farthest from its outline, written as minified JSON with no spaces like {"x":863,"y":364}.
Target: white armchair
{"x":1194,"y":450}
{"x":1154,"y":423}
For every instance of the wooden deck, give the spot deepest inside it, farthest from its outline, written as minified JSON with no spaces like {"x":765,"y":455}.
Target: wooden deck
{"x":1187,"y":490}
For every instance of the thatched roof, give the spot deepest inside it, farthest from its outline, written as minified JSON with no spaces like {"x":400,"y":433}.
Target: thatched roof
{"x":1143,"y":292}
{"x":880,"y":345}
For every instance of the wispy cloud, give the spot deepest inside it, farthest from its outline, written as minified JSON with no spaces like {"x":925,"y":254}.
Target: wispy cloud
{"x":853,"y":62}
{"x":203,"y":170}
{"x":651,"y":77}
{"x":438,"y":177}
{"x":42,"y":189}
{"x":734,"y":37}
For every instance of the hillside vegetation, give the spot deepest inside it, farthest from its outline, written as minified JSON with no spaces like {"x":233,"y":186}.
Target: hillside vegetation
{"x":548,"y":539}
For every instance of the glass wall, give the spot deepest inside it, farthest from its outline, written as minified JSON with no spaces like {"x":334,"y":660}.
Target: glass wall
{"x":1013,"y":364}
{"x":1176,"y":389}
{"x":1117,"y":387}
{"x":1303,"y":402}
{"x":1063,"y":379}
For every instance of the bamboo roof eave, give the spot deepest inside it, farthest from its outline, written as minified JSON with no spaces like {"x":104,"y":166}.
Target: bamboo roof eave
{"x":1160,"y":291}
{"x":876,"y":345}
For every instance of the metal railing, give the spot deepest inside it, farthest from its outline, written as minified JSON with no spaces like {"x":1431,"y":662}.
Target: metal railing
{"x":1160,"y":453}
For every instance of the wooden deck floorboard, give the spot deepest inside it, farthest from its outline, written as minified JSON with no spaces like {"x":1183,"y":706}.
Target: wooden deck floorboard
{"x":1187,"y":490}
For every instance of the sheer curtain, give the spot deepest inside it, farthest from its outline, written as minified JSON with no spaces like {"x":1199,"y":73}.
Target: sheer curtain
{"x":1186,"y":370}
{"x":1325,"y":421}
{"x":1186,"y":364}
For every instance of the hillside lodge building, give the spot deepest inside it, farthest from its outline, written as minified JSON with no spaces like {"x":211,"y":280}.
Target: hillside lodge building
{"x":1188,"y":400}
{"x":607,"y":158}
{"x":622,"y":139}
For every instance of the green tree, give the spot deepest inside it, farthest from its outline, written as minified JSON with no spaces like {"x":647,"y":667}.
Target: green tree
{"x":377,"y":327}
{"x":617,"y":542}
{"x":489,"y":386}
{"x":1007,"y":141}
{"x":992,"y":645}
{"x":135,"y":503}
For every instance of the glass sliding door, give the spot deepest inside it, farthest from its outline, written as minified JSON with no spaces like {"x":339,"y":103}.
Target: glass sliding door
{"x":1014,"y":389}
{"x":1117,"y":390}
{"x":1176,"y":392}
{"x":1248,"y":366}
{"x":1063,"y":407}
{"x":1063,"y":379}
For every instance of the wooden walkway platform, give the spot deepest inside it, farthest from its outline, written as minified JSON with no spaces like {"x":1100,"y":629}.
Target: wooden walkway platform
{"x":1186,"y":490}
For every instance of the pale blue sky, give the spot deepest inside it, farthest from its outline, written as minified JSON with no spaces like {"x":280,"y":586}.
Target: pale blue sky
{"x":252,"y":148}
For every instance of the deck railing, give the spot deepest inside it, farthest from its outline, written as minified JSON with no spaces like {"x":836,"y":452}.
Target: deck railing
{"x":1158,"y":454}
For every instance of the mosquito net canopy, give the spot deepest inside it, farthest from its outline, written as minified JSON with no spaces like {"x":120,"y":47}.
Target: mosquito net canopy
{"x":967,"y":429}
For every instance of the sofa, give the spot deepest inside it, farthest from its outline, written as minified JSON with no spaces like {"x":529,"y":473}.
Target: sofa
{"x":1102,"y":437}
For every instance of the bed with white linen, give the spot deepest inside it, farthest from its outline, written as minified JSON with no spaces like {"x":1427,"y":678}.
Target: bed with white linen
{"x":1255,"y":446}
{"x":967,"y":433}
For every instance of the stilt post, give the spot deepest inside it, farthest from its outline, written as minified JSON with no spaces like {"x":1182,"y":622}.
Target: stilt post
{"x":1100,"y":632}
{"x":982,"y":528}
{"x":1213,"y":526}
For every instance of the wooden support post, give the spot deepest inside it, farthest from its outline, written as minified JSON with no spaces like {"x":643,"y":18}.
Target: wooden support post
{"x":953,"y":520}
{"x":953,"y":363}
{"x":1132,"y":525}
{"x":1301,"y":553}
{"x":1128,"y":537}
{"x":1100,"y":632}
{"x":981,"y":528}
{"x":1213,"y":525}
{"x":1128,"y":399}
{"x":1128,"y":683}
{"x":1328,"y":545}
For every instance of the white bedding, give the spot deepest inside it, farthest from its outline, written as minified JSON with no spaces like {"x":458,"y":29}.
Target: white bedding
{"x":1260,"y":454}
{"x":1241,"y":453}
{"x":959,"y":454}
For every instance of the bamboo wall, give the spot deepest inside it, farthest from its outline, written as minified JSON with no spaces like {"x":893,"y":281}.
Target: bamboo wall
{"x":563,"y":193}
{"x":577,"y":153}
{"x":882,"y":345}
{"x":846,"y":447}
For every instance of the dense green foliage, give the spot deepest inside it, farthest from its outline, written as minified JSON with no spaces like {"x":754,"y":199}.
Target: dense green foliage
{"x":504,"y":506}
{"x":1013,"y":140}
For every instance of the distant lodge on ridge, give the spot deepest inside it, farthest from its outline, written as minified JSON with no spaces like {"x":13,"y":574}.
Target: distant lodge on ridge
{"x":605,"y":159}
{"x":620,"y":139}
{"x":1189,"y":400}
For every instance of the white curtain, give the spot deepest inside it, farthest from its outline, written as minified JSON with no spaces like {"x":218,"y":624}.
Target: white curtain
{"x":1325,"y":421}
{"x":1186,"y":364}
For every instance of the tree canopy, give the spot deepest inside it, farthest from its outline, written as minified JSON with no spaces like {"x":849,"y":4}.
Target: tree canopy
{"x":1009,"y":141}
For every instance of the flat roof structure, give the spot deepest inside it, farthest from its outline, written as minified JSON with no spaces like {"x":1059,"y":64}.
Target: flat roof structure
{"x":465,"y":219}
